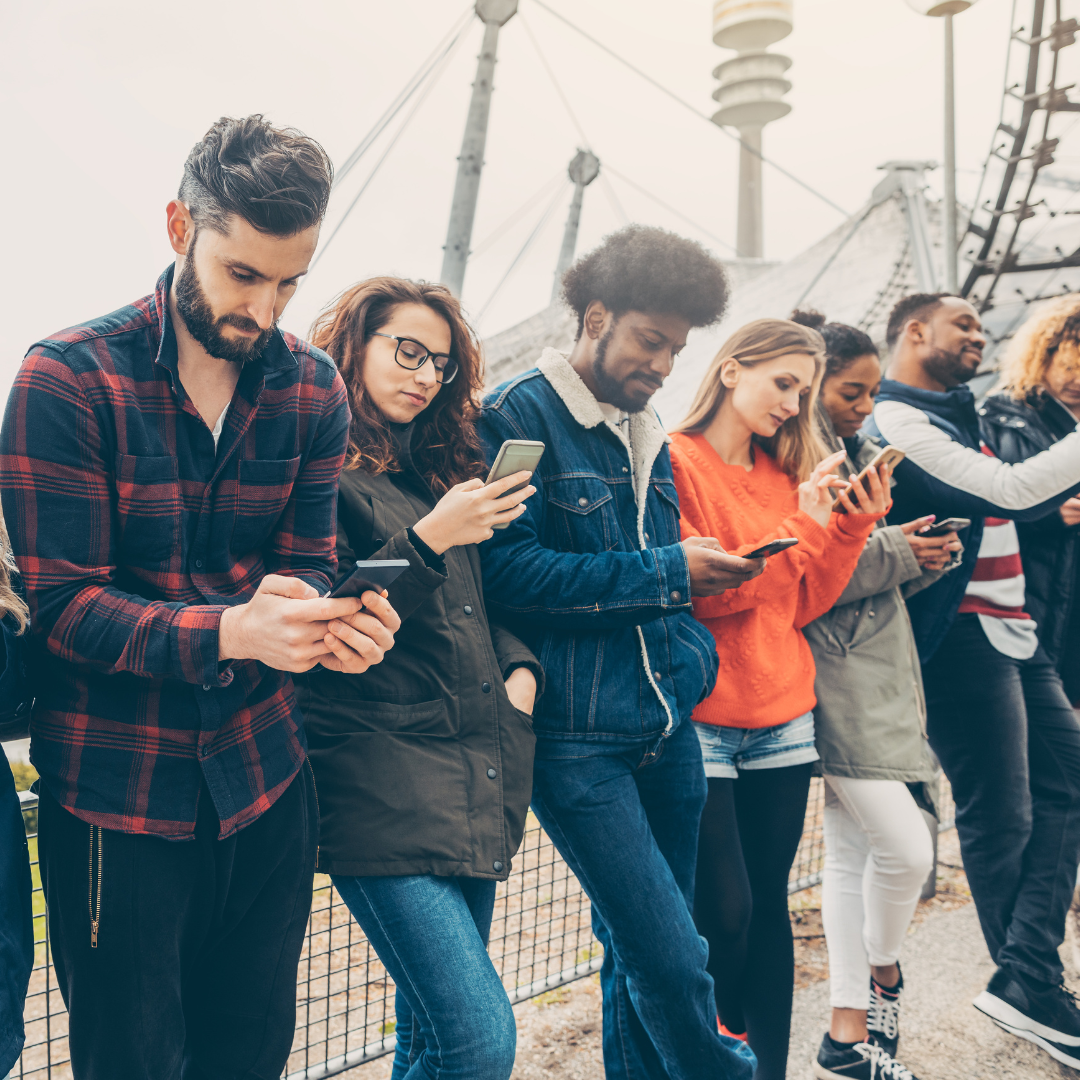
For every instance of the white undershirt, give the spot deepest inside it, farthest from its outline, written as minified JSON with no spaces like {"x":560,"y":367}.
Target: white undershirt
{"x":219,"y":425}
{"x":618,"y":420}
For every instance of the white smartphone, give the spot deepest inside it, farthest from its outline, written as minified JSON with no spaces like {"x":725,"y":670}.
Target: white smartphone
{"x":515,"y":455}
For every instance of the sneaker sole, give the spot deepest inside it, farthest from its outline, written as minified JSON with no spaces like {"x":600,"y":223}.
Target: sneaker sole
{"x":1015,"y":1022}
{"x":823,"y":1073}
{"x":1055,"y":1051}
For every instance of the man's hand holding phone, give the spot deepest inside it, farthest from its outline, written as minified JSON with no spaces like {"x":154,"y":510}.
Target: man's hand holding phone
{"x":287,"y":625}
{"x":469,"y":512}
{"x":713,"y":570}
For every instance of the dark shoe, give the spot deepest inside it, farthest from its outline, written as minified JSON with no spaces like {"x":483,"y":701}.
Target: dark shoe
{"x":883,"y":1016}
{"x":1046,"y":1016}
{"x":863,"y":1061}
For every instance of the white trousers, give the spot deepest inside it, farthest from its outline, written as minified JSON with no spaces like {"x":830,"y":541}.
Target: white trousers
{"x":878,"y":854}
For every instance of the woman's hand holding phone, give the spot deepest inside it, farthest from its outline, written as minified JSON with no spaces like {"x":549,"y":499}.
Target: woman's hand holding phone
{"x":931,"y":552}
{"x":815,"y":497}
{"x":871,"y":495}
{"x":468,"y":512}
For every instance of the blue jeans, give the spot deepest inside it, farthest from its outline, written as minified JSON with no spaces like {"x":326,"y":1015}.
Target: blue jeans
{"x":625,"y":818}
{"x":454,"y":1020}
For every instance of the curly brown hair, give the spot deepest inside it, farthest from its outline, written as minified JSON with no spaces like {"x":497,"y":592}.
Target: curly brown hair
{"x":1032,"y":349}
{"x":445,"y":448}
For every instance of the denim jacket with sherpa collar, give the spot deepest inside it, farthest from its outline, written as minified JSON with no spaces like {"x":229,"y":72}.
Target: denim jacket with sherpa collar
{"x":593,"y":577}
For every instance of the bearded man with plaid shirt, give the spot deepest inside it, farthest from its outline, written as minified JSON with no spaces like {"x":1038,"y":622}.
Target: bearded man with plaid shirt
{"x":169,"y":477}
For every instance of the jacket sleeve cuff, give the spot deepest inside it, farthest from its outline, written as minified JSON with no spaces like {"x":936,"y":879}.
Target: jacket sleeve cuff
{"x":674,"y":573}
{"x":857,"y":526}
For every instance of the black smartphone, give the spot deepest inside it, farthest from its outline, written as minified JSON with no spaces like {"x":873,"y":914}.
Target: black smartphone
{"x":946,"y":525}
{"x":772,"y":547}
{"x":515,"y":455}
{"x":374,"y":574}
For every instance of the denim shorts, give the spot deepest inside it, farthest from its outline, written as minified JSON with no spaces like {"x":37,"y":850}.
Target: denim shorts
{"x":726,"y":750}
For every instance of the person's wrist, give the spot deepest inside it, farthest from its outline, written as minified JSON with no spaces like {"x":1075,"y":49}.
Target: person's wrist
{"x":228,"y":634}
{"x":423,"y":528}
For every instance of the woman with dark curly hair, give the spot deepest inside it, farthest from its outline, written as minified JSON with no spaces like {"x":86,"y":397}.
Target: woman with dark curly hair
{"x":424,"y":769}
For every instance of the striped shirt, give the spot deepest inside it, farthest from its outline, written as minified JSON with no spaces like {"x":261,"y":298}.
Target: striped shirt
{"x":133,"y":532}
{"x":996,"y":590}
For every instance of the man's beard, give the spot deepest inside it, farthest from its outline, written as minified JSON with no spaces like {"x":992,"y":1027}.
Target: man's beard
{"x":194,"y":308}
{"x":610,"y":389}
{"x":948,"y":368}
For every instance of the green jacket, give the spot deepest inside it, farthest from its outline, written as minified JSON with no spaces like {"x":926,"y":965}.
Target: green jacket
{"x":421,"y":764}
{"x":870,"y":718}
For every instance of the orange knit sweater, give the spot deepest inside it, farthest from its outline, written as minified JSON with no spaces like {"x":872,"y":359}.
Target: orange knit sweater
{"x":766,"y":669}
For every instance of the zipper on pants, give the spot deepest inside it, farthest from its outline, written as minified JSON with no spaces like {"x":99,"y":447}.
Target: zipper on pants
{"x":315,"y":792}
{"x":94,"y":896}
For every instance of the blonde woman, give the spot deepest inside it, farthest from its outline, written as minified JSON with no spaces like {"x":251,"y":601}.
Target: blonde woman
{"x":16,"y":917}
{"x":751,"y":467}
{"x":1036,"y":403}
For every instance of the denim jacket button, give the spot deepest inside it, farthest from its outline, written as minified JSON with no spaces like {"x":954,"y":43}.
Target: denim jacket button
{"x":583,"y":501}
{"x":625,"y":469}
{"x":496,"y":866}
{"x":657,"y":676}
{"x":486,"y":687}
{"x":492,"y":774}
{"x":676,"y":596}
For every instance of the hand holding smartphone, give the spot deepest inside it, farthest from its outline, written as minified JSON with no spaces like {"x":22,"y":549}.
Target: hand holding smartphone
{"x":515,"y":455}
{"x":887,"y":455}
{"x":772,"y":548}
{"x":375,"y":575}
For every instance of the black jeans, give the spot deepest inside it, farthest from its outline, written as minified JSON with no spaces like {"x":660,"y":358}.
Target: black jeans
{"x":750,"y":832}
{"x":1010,"y":745}
{"x":194,"y":971}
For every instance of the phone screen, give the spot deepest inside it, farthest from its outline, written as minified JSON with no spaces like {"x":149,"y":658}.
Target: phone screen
{"x":515,"y":455}
{"x":772,"y":548}
{"x":373,"y":574}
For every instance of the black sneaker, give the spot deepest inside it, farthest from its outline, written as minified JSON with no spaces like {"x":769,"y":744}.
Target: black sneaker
{"x":883,"y":1016}
{"x":863,"y":1061}
{"x":1047,"y":1017}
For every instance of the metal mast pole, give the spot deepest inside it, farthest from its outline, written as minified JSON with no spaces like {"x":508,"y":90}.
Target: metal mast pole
{"x":583,"y":170}
{"x":749,"y":240}
{"x":494,"y":14}
{"x":949,"y":230}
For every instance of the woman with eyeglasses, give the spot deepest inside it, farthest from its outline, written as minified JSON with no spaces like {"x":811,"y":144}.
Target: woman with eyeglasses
{"x":423,"y":765}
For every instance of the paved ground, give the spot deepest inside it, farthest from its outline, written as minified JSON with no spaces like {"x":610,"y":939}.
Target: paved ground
{"x":943,"y":1037}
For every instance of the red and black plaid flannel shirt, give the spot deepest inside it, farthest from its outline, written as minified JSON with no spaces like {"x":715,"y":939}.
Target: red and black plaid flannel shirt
{"x":133,"y":534}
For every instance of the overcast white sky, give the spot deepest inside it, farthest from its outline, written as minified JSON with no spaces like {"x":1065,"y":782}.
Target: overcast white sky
{"x":103,"y":101}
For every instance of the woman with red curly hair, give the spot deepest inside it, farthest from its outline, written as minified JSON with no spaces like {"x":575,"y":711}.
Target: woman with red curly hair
{"x":423,"y":766}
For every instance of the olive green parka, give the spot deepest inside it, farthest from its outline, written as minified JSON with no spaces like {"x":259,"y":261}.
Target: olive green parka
{"x":422,"y":765}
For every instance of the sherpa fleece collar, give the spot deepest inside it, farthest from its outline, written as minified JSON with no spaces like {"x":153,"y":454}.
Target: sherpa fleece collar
{"x":647,"y":435}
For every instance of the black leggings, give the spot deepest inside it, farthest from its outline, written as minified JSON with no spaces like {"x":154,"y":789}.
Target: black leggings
{"x":750,"y":832}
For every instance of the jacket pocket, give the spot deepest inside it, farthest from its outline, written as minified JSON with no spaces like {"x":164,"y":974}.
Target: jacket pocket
{"x":393,"y":784}
{"x":148,"y":507}
{"x":583,"y":509}
{"x":664,"y":513}
{"x":262,"y":492}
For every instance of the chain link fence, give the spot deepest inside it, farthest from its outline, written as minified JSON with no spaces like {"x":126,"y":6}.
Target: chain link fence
{"x":541,"y":938}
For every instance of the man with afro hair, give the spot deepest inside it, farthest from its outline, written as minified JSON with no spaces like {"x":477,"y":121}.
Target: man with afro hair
{"x":594,"y":578}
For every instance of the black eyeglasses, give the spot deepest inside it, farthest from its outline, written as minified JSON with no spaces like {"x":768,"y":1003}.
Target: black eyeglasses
{"x":412,"y":356}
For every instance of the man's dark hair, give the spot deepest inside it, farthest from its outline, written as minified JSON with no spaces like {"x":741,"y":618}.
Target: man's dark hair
{"x":919,"y":306}
{"x":277,"y":179}
{"x":641,"y":268}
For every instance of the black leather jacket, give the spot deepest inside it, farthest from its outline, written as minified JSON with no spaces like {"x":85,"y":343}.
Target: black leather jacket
{"x":1016,"y":430}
